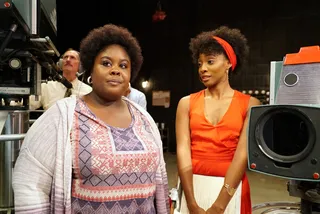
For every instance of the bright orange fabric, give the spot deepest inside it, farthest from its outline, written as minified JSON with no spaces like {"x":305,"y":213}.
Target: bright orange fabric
{"x":213,"y":146}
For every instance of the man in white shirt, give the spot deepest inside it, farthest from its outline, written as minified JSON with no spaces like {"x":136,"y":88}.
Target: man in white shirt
{"x":53,"y":91}
{"x":136,"y":96}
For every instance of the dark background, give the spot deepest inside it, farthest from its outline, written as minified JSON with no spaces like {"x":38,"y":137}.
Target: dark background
{"x":273,"y":29}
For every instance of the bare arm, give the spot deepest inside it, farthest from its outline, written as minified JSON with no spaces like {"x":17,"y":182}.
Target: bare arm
{"x":184,"y":151}
{"x":238,"y":165}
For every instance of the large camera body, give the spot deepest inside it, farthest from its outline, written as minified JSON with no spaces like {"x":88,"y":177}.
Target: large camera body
{"x":284,"y":137}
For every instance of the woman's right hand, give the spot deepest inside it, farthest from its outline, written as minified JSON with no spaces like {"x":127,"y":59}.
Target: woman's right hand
{"x":196,"y":210}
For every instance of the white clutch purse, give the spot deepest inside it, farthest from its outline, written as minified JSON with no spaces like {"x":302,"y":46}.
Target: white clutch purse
{"x":206,"y":190}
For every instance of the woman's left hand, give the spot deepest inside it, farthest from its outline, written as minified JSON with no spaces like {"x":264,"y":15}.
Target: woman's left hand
{"x":214,"y":209}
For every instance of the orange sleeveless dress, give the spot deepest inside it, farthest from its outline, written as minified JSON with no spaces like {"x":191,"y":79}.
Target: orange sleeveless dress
{"x":213,"y":146}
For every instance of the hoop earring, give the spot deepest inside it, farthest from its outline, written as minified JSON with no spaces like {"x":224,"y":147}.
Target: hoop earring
{"x":89,"y":80}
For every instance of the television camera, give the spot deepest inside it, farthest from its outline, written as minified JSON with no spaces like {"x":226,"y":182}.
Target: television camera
{"x":283,"y":137}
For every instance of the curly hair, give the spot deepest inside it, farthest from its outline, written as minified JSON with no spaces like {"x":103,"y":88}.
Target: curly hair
{"x":204,"y":43}
{"x":100,"y":38}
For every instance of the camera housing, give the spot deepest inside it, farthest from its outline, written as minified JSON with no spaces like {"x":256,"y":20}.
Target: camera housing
{"x":282,"y":136}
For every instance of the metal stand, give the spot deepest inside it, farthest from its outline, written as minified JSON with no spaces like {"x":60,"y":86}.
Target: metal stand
{"x":8,"y":37}
{"x":8,"y":210}
{"x":307,"y":191}
{"x":13,"y":126}
{"x":280,"y":207}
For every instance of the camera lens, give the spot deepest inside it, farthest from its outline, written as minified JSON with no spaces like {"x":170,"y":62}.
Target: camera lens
{"x":285,"y":135}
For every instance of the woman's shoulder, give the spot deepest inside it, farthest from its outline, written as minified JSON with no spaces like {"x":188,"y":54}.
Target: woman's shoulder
{"x":137,"y":107}
{"x":195,"y":98}
{"x":242,"y":95}
{"x":196,"y":94}
{"x":66,"y":103}
{"x":189,"y":98}
{"x":145,"y":114}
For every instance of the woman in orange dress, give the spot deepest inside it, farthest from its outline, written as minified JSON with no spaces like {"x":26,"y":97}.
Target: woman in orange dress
{"x":211,"y":124}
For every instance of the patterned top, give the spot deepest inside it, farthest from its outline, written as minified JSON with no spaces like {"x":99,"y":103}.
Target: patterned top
{"x":113,"y":168}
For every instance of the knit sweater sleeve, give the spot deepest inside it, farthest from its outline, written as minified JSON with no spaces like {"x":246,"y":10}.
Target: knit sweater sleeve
{"x":34,"y":168}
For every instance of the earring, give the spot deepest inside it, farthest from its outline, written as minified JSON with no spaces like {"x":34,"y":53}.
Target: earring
{"x":89,"y":80}
{"x":227,"y":72}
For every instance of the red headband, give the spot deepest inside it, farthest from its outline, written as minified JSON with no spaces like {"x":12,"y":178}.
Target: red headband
{"x":229,"y":50}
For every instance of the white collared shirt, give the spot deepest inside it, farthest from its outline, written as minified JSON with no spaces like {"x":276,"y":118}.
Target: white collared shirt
{"x":138,"y":97}
{"x":53,"y":91}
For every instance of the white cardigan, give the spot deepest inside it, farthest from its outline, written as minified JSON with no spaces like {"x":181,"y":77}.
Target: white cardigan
{"x":43,"y":171}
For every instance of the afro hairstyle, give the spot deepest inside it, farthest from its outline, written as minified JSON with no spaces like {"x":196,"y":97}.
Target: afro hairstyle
{"x":102,"y":37}
{"x":204,"y":43}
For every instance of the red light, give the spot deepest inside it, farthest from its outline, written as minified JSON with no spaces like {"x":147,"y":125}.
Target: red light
{"x":7,"y":4}
{"x":316,"y":175}
{"x":253,"y":166}
{"x":159,"y":16}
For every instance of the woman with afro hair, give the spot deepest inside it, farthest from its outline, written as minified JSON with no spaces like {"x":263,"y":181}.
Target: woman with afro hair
{"x":211,"y":124}
{"x":100,"y":153}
